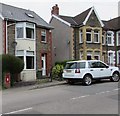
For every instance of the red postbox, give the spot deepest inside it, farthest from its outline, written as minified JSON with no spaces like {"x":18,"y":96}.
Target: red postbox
{"x":7,"y":80}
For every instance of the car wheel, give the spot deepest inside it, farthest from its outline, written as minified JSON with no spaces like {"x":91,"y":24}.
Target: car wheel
{"x":87,"y":80}
{"x":115,"y":77}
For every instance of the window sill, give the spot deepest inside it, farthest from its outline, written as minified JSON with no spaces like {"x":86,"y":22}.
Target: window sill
{"x":25,"y":39}
{"x":29,"y":70}
{"x":110,"y":44}
{"x":43,"y":42}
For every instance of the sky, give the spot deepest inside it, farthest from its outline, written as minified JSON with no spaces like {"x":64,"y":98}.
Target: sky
{"x":106,"y":9}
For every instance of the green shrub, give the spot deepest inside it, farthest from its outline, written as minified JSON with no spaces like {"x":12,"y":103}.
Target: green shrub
{"x":11,"y":64}
{"x":57,"y":71}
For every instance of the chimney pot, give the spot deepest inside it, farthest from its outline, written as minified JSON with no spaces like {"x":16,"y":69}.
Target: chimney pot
{"x":55,"y":10}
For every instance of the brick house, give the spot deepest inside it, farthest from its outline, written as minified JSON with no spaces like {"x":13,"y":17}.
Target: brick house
{"x":78,"y":37}
{"x":27,"y":36}
{"x":112,"y":34}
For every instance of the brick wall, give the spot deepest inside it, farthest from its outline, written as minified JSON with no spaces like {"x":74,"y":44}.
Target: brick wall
{"x":11,"y":38}
{"x":43,"y":48}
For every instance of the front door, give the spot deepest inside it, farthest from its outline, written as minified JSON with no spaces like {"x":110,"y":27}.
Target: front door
{"x":43,"y":64}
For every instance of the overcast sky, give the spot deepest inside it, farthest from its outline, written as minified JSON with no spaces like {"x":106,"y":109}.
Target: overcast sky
{"x":106,"y":9}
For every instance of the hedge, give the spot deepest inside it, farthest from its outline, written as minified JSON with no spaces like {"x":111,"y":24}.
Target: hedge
{"x":11,"y":64}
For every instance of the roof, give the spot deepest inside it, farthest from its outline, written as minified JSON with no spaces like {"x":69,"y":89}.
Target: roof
{"x":18,"y":14}
{"x":78,"y":19}
{"x":81,"y":18}
{"x":113,"y":24}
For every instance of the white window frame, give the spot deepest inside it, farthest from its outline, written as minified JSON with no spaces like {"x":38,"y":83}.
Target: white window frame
{"x":81,"y":55}
{"x":112,"y":38}
{"x":25,"y":54}
{"x":103,"y":40}
{"x":96,"y":33}
{"x":118,"y":39}
{"x":44,"y":33}
{"x":118,"y":52}
{"x":25,"y":25}
{"x":80,"y":36}
{"x":89,"y":32}
{"x":113,"y":60}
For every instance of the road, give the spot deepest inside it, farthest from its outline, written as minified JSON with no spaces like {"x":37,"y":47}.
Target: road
{"x":99,"y":98}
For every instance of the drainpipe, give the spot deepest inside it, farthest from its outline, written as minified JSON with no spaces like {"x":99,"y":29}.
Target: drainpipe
{"x":75,"y":57}
{"x":6,"y":38}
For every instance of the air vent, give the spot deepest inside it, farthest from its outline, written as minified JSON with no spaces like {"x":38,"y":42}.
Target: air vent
{"x":29,"y":15}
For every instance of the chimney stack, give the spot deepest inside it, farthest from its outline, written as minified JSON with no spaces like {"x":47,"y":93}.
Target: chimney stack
{"x":55,"y":10}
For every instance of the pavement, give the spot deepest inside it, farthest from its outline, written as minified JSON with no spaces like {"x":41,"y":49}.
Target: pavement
{"x":20,"y":86}
{"x":48,"y":84}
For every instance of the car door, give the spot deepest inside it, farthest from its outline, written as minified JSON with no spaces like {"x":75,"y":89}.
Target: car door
{"x":94,"y":69}
{"x":104,"y":69}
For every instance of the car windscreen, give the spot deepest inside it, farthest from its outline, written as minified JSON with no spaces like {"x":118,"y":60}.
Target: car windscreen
{"x":75,"y":65}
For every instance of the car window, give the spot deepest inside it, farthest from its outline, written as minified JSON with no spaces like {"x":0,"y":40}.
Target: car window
{"x":101,"y":65}
{"x":75,"y":65}
{"x":80,"y":65}
{"x":96,"y":65}
{"x":71,"y":65}
{"x":92,"y":64}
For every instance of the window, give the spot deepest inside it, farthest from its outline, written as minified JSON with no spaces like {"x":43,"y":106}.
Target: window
{"x":118,"y":57}
{"x":19,"y":32}
{"x":111,"y":57}
{"x":89,"y":55}
{"x":43,"y":35}
{"x":80,"y":65}
{"x":29,"y":33}
{"x":118,"y":38}
{"x":110,"y":38}
{"x":25,"y":30}
{"x":96,"y":36}
{"x":103,"y":40}
{"x":28,"y":57}
{"x":96,"y":65}
{"x":88,"y":36}
{"x":75,"y":65}
{"x":81,"y":54}
{"x":71,"y":65}
{"x":29,"y":62}
{"x":80,"y":36}
{"x":97,"y":55}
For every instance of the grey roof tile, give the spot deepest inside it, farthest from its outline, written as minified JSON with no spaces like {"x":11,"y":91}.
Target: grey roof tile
{"x":19,"y":14}
{"x":78,"y":19}
{"x":113,"y":24}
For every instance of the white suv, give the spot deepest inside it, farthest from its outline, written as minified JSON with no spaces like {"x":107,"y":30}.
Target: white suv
{"x":88,"y":70}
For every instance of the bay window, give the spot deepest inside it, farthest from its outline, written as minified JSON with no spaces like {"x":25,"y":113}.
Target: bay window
{"x":28,"y":57}
{"x":25,"y":30}
{"x":96,"y":36}
{"x":80,"y":36}
{"x":19,"y":32}
{"x":88,"y":36}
